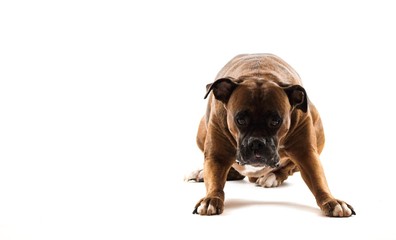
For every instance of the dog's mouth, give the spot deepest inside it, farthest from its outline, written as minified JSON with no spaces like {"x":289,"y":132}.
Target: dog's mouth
{"x":258,"y":160}
{"x":258,"y":156}
{"x":258,"y":152}
{"x":255,"y":164}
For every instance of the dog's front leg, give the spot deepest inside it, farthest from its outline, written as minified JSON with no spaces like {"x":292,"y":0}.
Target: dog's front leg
{"x":313,"y":175}
{"x":215,"y":176}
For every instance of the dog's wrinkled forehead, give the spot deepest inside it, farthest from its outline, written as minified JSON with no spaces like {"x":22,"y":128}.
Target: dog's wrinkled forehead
{"x":258,"y":92}
{"x":259,"y":96}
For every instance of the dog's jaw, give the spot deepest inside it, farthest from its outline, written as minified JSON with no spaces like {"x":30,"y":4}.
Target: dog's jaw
{"x":251,"y":171}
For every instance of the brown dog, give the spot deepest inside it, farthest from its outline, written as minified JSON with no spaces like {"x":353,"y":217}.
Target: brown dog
{"x":259,"y":123}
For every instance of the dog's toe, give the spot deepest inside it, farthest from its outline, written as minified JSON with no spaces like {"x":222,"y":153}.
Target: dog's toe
{"x":337,"y":208}
{"x":209,"y":206}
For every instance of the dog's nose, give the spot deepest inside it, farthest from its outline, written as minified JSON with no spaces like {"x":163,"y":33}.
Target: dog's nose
{"x":256,"y":143}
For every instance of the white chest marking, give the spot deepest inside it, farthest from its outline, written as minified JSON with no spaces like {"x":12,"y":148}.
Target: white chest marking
{"x":251,"y":171}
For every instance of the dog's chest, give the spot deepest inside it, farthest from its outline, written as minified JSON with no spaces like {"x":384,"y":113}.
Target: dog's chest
{"x":251,"y":171}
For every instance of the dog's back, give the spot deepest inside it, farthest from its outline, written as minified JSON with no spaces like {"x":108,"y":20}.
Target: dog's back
{"x":260,"y":65}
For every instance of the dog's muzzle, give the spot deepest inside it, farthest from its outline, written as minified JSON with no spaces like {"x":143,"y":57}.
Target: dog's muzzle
{"x":258,"y":152}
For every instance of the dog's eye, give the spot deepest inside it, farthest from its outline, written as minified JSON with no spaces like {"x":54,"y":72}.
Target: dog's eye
{"x":241,"y":121}
{"x":275,"y":122}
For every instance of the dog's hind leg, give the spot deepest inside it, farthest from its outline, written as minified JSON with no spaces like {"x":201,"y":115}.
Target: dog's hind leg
{"x":197,"y":176}
{"x":234,"y":175}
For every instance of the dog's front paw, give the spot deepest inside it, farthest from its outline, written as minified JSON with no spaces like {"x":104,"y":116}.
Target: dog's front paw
{"x":209,"y":206}
{"x":337,"y":208}
{"x":269,"y":180}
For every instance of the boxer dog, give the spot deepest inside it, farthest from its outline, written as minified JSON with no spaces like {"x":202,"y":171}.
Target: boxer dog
{"x":260,"y":123}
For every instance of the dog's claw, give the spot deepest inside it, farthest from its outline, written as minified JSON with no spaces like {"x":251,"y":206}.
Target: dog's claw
{"x":353,"y":211}
{"x":195,"y":211}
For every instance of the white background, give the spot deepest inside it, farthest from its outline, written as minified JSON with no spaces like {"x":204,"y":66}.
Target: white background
{"x":100,"y":102}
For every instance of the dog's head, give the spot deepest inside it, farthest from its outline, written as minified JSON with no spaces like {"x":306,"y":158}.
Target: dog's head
{"x":258,"y":115}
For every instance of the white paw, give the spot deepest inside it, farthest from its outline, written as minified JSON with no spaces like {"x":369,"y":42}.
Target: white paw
{"x":268,"y":181}
{"x":195,"y":176}
{"x":209,"y":206}
{"x":342,"y":210}
{"x":206,"y":210}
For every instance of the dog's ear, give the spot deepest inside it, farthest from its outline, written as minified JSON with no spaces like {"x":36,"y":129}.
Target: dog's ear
{"x":297,"y":97}
{"x":222,"y":89}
